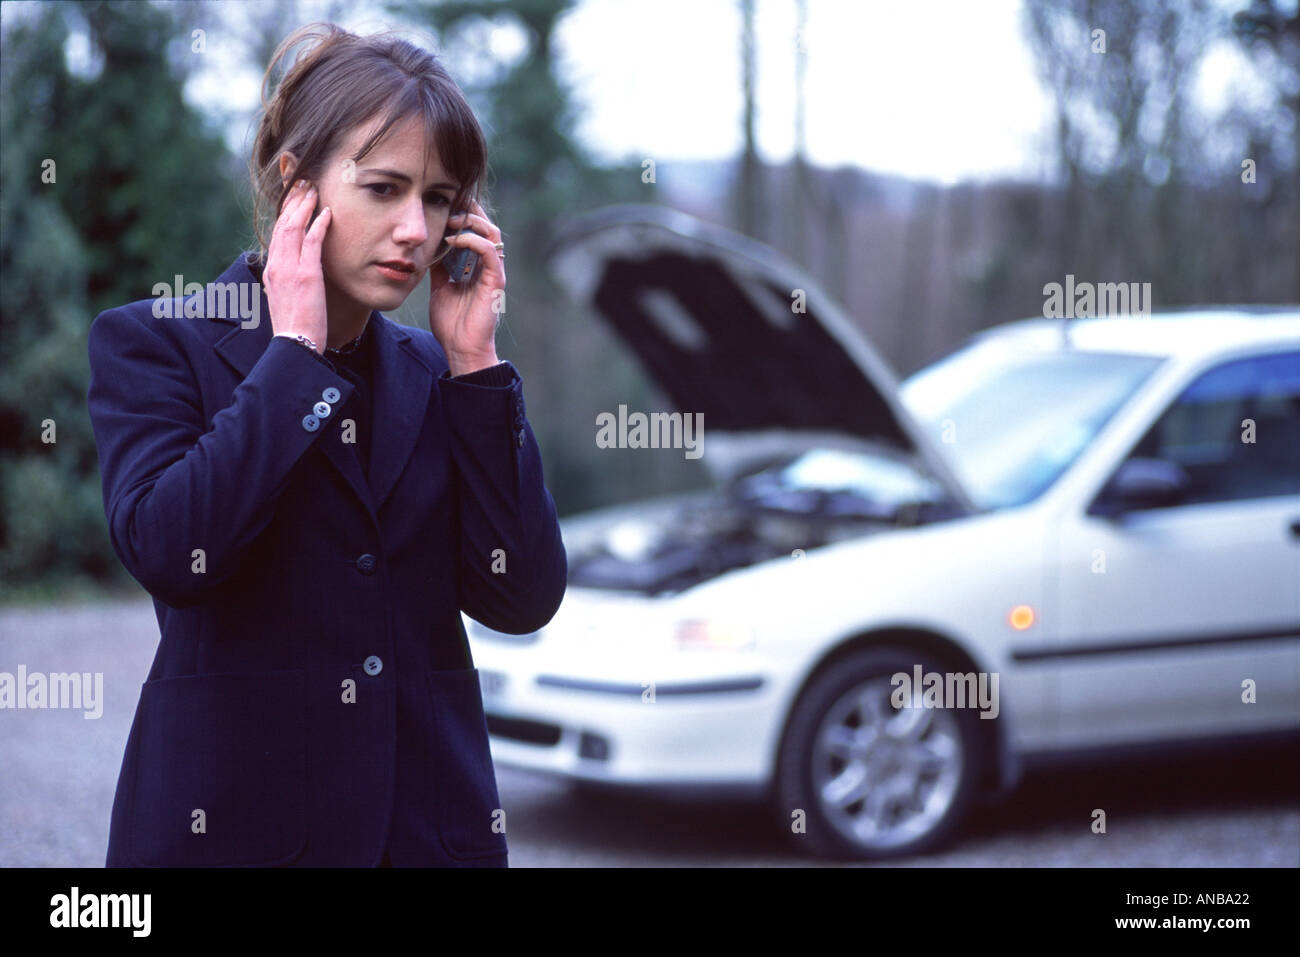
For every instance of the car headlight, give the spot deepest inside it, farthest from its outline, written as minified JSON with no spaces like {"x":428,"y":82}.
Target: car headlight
{"x":713,"y":635}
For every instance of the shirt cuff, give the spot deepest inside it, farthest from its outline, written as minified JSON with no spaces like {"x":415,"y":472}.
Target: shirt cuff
{"x":501,"y":374}
{"x":320,"y":359}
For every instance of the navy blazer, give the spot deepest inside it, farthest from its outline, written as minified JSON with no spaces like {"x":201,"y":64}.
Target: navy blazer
{"x":293,"y":713}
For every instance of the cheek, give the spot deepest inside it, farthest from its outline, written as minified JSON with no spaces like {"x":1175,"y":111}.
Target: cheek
{"x":341,"y":238}
{"x":329,"y":250}
{"x":336,"y":257}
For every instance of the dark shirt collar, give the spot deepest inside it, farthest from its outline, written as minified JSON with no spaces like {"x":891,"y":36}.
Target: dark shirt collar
{"x":356,"y":345}
{"x":359,"y":358}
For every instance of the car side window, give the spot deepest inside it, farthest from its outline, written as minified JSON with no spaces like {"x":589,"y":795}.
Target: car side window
{"x":1203,"y":431}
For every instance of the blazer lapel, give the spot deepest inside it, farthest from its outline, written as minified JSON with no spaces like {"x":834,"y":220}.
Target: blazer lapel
{"x":401,"y":388}
{"x":401,"y":398}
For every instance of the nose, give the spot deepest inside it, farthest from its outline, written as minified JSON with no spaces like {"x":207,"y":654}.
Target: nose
{"x":412,"y":227}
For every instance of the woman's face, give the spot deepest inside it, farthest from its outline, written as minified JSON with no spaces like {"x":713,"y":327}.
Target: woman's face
{"x":385,"y":207}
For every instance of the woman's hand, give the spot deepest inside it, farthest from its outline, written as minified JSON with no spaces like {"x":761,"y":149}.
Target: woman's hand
{"x":464,"y":316}
{"x":294,"y":281}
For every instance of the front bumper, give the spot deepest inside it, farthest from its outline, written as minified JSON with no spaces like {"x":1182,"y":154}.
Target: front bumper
{"x":716,"y":731}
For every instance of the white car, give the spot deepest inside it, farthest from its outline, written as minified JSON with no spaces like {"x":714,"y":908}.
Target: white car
{"x":1064,"y":537}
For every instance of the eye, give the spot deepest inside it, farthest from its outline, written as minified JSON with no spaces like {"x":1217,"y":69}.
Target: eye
{"x":438,"y":199}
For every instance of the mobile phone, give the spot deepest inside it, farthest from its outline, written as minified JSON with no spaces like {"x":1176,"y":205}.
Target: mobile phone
{"x":462,"y":264}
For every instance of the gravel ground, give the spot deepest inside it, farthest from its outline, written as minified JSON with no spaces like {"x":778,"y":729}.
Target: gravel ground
{"x":59,"y":771}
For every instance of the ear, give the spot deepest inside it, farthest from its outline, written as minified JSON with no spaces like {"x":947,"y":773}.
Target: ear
{"x":288,"y":163}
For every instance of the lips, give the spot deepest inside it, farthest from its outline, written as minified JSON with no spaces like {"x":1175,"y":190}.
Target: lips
{"x":397,"y":270}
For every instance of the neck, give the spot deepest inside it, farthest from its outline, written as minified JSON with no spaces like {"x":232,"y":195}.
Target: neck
{"x":346,"y":317}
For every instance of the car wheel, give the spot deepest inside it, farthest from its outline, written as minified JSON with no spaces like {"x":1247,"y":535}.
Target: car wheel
{"x":875,"y":780}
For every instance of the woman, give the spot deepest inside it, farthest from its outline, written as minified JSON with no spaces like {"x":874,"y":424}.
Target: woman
{"x":313,"y":493}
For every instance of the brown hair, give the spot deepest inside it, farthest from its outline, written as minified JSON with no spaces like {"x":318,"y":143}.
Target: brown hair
{"x":342,"y":81}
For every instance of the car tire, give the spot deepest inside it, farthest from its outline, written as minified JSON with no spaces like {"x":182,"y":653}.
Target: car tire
{"x":842,"y":736}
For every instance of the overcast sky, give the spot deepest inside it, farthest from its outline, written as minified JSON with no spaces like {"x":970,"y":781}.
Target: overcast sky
{"x":942,"y":90}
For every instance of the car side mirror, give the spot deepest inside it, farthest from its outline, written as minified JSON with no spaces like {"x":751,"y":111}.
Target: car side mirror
{"x":1141,"y":483}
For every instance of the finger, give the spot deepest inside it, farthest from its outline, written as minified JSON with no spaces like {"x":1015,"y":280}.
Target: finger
{"x":286,"y":237}
{"x":306,"y":205}
{"x":290,"y":197}
{"x":477,"y":223}
{"x":471,"y":239}
{"x":296,"y":222}
{"x":485,"y":248}
{"x":302,"y":218}
{"x":311,"y":243}
{"x":277,"y":228}
{"x":297,"y":196}
{"x":292,"y":204}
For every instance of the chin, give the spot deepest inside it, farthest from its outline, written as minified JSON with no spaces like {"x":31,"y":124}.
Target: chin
{"x":376,"y":296}
{"x":386,"y":302}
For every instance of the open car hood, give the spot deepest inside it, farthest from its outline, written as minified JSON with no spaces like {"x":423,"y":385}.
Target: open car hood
{"x":713,"y":318}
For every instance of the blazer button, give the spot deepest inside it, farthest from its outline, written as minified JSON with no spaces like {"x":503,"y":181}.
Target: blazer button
{"x":310,"y":423}
{"x":373,"y":665}
{"x":366,"y":564}
{"x":330,"y":395}
{"x":322,"y":409}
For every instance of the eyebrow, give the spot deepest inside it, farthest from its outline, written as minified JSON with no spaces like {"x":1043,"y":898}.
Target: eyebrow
{"x":406,"y":179}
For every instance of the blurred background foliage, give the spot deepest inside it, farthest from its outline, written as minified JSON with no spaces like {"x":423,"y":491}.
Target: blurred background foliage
{"x":144,"y":188}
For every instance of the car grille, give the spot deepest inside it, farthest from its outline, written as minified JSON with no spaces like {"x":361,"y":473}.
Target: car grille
{"x":519,"y":729}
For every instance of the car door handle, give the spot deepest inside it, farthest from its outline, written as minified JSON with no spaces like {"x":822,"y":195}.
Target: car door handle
{"x":1295,"y":528}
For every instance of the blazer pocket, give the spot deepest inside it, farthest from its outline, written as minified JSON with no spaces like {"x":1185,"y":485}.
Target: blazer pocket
{"x":233,"y":747}
{"x":465,"y":785}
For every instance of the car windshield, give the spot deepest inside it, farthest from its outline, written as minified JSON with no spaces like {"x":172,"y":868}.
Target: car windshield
{"x":1013,"y":419}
